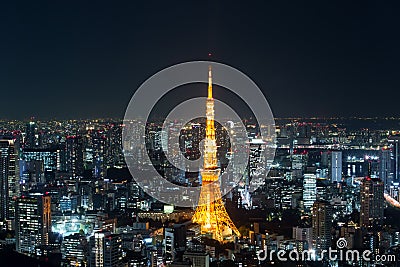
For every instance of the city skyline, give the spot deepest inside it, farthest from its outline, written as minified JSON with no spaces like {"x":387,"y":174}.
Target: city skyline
{"x":77,"y":204}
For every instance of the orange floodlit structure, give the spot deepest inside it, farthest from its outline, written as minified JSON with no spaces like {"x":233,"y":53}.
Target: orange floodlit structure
{"x":210,"y":213}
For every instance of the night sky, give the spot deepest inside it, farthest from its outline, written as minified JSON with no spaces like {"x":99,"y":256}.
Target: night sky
{"x":84,"y":59}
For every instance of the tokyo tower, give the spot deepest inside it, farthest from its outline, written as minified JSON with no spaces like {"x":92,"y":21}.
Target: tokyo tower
{"x":210,"y":213}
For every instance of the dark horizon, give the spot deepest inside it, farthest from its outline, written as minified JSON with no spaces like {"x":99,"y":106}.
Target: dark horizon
{"x":310,"y":59}
{"x":101,"y":118}
{"x":115,"y":118}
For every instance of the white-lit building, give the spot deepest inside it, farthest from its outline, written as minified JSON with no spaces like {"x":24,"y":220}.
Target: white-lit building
{"x":9,"y":179}
{"x":336,"y":166}
{"x":309,"y":191}
{"x":106,"y":250}
{"x":32,"y":223}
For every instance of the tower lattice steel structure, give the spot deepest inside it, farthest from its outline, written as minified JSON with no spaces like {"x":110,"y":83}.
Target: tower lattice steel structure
{"x":210,"y":213}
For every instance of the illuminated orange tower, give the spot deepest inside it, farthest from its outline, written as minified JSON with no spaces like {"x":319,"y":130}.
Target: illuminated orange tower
{"x":210,"y":213}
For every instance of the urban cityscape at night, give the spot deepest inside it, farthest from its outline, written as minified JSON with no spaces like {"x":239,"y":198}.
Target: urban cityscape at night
{"x":199,"y":133}
{"x":68,"y":198}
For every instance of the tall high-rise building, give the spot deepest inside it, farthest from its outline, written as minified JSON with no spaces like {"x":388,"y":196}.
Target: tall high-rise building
{"x":97,"y":155}
{"x":372,"y":202}
{"x":31,"y":137}
{"x":385,"y":167}
{"x":211,"y":214}
{"x":9,"y":179}
{"x":175,"y":242}
{"x":113,"y":146}
{"x":336,"y":166}
{"x":321,"y":225}
{"x":74,"y":155}
{"x":32,"y":222}
{"x":309,"y":191}
{"x":395,"y":156}
{"x":99,"y":168}
{"x":169,"y":245}
{"x":106,"y":250}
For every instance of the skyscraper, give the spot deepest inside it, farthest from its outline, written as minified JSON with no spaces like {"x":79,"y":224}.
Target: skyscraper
{"x":175,"y":242}
{"x":372,"y":202}
{"x":9,"y":179}
{"x":395,"y":155}
{"x":336,"y":166}
{"x":321,"y":225}
{"x":211,"y":214}
{"x":74,"y":155}
{"x":31,"y":138}
{"x":106,"y":250}
{"x":33,"y":222}
{"x":385,"y":167}
{"x":309,"y":191}
{"x":169,"y":245}
{"x":99,"y":168}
